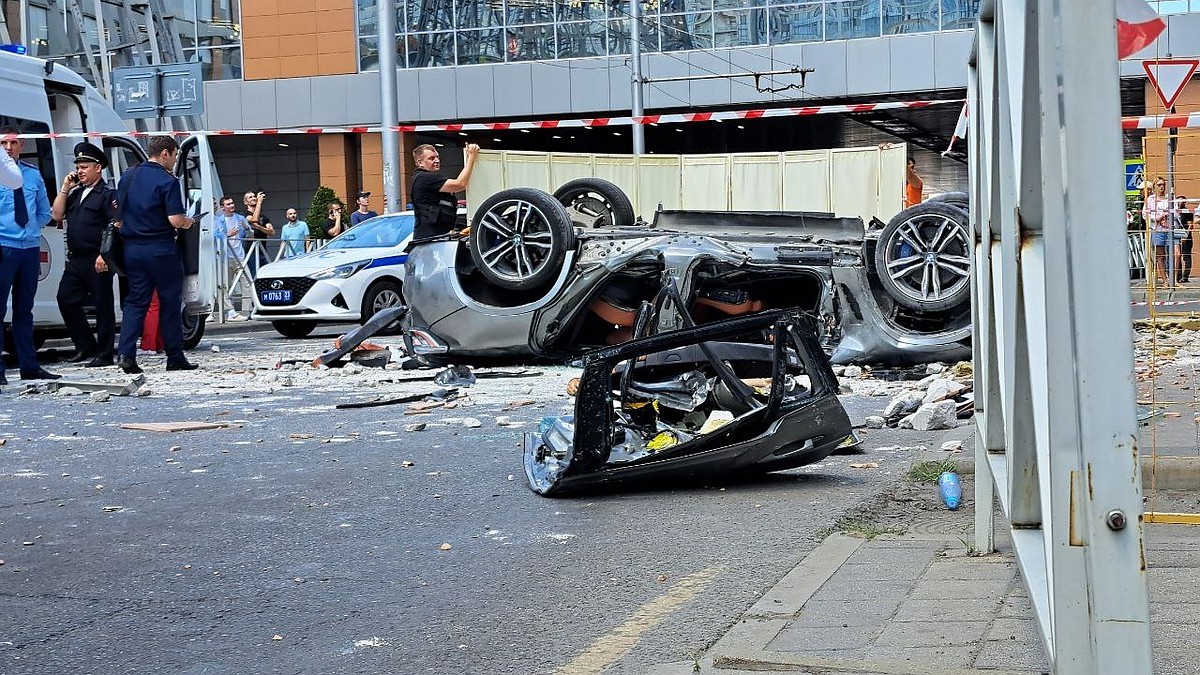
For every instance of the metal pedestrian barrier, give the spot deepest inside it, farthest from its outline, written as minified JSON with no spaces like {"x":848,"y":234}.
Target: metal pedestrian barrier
{"x":234,"y":274}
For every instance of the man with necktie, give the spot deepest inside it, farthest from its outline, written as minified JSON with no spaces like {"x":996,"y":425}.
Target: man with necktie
{"x":24,"y":210}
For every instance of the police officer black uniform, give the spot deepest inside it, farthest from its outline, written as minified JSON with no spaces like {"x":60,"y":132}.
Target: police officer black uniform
{"x":86,"y":205}
{"x":150,"y":209}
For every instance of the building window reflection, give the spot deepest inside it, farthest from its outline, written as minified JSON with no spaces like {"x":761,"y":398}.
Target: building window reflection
{"x":450,"y":32}
{"x":208,"y":31}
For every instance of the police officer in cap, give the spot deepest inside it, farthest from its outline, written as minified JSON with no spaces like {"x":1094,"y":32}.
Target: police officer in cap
{"x":150,"y":209}
{"x":86,"y":205}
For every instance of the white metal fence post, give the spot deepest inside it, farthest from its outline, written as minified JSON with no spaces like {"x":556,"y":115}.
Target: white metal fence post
{"x":1054,"y":361}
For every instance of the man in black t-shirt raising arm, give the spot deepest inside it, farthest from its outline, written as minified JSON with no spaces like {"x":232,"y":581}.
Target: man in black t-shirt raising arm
{"x":433,"y":194}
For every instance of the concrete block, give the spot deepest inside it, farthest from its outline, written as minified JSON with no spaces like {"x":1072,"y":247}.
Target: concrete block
{"x":929,"y":609}
{"x":1013,"y":655}
{"x":960,"y":589}
{"x":857,"y":589}
{"x":930,"y":658}
{"x":842,"y":613}
{"x":798,"y":638}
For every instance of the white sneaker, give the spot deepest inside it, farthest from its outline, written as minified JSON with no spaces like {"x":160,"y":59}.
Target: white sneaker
{"x":234,"y":316}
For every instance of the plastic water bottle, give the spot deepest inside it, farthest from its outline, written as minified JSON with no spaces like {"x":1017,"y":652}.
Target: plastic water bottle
{"x":950,"y":489}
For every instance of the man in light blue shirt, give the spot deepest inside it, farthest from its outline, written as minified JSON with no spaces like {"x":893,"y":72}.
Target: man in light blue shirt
{"x":230,"y":229}
{"x":24,"y":210}
{"x":293,"y":235}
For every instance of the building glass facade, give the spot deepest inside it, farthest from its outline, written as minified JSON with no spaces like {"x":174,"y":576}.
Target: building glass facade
{"x":461,"y":32}
{"x":208,"y":31}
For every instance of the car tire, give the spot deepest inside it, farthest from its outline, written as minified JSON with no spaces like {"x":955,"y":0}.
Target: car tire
{"x":959,"y":199}
{"x":193,"y":329}
{"x":294,"y":329}
{"x":381,"y":295}
{"x":520,"y":237}
{"x":595,"y":203}
{"x":923,"y":257}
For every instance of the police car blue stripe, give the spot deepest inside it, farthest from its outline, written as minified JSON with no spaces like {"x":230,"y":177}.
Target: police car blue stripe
{"x":390,"y":260}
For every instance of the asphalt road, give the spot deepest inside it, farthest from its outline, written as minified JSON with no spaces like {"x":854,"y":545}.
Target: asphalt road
{"x":302,"y":541}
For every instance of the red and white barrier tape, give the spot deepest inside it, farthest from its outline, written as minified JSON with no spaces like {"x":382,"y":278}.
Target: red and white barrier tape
{"x":676,"y":118}
{"x":1181,"y":121}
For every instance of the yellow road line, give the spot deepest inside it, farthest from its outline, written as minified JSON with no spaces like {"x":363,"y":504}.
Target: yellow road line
{"x":1171,"y":518}
{"x":609,"y":649}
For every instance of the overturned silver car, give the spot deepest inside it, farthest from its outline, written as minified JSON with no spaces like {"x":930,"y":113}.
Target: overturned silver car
{"x":555,"y":276}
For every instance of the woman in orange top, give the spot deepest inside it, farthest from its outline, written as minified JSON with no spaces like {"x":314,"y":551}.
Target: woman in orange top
{"x":913,"y":185}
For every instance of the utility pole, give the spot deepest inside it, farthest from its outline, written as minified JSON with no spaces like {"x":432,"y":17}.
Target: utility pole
{"x":635,"y":36}
{"x":387,"y":93}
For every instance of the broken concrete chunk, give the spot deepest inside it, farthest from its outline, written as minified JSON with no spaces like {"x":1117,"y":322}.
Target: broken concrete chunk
{"x":935,"y":368}
{"x":69,"y":391}
{"x":852,"y":372}
{"x":99,"y":396}
{"x":503,"y":420}
{"x":903,"y":403}
{"x":874,"y":422}
{"x":455,"y":376}
{"x":934,"y":416}
{"x":906,"y":422}
{"x":941,"y":390}
{"x":952,"y":446}
{"x":962,"y":370}
{"x":471,"y":423}
{"x":420,"y":426}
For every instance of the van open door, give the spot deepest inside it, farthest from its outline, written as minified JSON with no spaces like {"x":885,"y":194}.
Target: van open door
{"x":201,"y":190}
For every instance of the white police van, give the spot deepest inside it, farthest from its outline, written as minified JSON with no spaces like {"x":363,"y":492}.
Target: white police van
{"x":39,"y":96}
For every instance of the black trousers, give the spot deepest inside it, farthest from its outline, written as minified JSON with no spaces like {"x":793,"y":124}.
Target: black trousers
{"x":1185,"y":264}
{"x":80,"y":283}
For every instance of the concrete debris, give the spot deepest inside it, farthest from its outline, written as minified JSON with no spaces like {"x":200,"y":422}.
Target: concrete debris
{"x":935,"y":368}
{"x":115,"y":389}
{"x":924,"y":384}
{"x":839,"y":370}
{"x":902,"y":404}
{"x":874,"y":422}
{"x":408,"y":464}
{"x":176,"y":426}
{"x":68,"y":391}
{"x":865,"y":465}
{"x":503,"y":420}
{"x":471,"y":423}
{"x":445,"y":547}
{"x":940,"y":390}
{"x":455,"y":376}
{"x":935,"y":416}
{"x":420,"y":426}
{"x":952,"y":446}
{"x":216,"y":349}
{"x":352,"y":368}
{"x":99,"y":397}
{"x":963,"y":370}
{"x":852,"y":372}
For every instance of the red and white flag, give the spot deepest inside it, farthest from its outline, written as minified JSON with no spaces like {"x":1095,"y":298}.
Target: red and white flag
{"x":1138,"y":26}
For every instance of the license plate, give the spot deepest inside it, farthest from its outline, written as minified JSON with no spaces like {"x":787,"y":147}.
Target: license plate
{"x":283,"y":297}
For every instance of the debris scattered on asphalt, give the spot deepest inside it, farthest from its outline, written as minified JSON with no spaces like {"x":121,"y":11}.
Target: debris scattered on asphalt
{"x":874,"y":422}
{"x":124,"y":389}
{"x":171,"y":427}
{"x":471,"y":423}
{"x":68,"y":391}
{"x":99,"y":397}
{"x":445,"y":547}
{"x":952,"y":446}
{"x":373,"y":403}
{"x":865,"y":465}
{"x":455,"y":376}
{"x":112,"y":509}
{"x":407,"y":464}
{"x":344,"y":344}
{"x":420,"y":426}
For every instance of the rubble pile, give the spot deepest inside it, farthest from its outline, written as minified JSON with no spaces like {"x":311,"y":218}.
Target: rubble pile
{"x":925,"y":398}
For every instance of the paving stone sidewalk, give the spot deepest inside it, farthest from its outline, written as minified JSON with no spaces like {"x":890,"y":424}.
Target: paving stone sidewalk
{"x":869,"y":601}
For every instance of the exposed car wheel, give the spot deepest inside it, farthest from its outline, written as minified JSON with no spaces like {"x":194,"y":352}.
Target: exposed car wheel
{"x":380,"y":296}
{"x":595,"y":202}
{"x":959,"y":199}
{"x":924,"y":257}
{"x":294,"y":329}
{"x":519,"y":238}
{"x":193,"y":329}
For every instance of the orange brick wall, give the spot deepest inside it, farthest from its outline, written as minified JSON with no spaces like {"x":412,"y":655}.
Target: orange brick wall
{"x":297,"y":38}
{"x":339,"y":168}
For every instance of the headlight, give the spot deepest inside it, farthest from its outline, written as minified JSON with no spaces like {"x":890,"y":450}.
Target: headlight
{"x":341,"y":271}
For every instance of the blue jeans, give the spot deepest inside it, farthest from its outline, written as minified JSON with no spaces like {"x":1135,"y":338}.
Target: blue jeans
{"x":151,"y":266}
{"x":19,"y":271}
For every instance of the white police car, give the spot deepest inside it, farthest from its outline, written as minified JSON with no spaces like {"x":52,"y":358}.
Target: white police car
{"x":357,"y":274}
